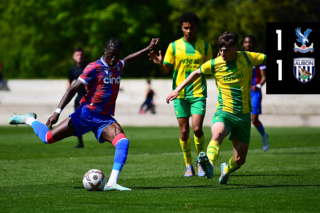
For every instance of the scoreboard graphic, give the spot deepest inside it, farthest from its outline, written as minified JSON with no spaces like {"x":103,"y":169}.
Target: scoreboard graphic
{"x":293,"y":60}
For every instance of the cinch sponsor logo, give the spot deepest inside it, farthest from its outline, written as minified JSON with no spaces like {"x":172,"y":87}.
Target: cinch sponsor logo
{"x":233,"y":77}
{"x":190,"y":61}
{"x":109,"y":80}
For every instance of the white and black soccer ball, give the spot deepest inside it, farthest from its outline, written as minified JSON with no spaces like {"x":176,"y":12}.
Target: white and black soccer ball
{"x":94,"y":180}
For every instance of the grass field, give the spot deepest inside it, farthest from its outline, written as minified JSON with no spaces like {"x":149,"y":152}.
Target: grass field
{"x":48,"y":178}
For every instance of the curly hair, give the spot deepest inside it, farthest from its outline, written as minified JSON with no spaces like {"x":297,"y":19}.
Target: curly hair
{"x":189,"y":17}
{"x":228,"y":39}
{"x":114,"y":43}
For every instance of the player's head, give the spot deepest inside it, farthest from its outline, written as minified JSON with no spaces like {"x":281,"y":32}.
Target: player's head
{"x":78,"y":55}
{"x":189,"y":24}
{"x":113,"y":51}
{"x":227,"y":44}
{"x":248,"y":42}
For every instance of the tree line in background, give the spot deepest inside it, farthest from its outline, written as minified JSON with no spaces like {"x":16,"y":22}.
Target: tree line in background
{"x":38,"y":36}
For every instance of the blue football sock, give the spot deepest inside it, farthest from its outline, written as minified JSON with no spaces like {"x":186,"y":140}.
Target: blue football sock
{"x":40,"y":129}
{"x":121,"y":154}
{"x":260,"y":129}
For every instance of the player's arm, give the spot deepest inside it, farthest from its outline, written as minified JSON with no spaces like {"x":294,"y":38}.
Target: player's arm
{"x":191,"y":78}
{"x":64,"y":101}
{"x":158,"y":60}
{"x":132,"y":58}
{"x":263,"y":76}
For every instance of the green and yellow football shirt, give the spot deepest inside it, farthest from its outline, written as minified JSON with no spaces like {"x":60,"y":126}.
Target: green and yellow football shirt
{"x":233,"y":79}
{"x":186,"y":57}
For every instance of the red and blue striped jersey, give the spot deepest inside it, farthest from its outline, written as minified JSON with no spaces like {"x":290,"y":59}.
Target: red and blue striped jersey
{"x":256,"y":75}
{"x":102,"y":84}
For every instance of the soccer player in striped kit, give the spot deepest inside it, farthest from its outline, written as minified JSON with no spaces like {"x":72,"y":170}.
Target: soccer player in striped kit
{"x":233,"y":73}
{"x":102,"y":81}
{"x":184,"y":56}
{"x":258,"y":79}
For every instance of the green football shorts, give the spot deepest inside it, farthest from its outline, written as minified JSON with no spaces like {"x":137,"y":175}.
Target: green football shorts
{"x":239,"y":125}
{"x":189,"y":106}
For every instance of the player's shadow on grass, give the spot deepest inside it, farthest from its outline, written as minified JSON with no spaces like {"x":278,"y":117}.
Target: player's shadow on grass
{"x":245,"y":186}
{"x":295,"y":153}
{"x":255,"y":175}
{"x":163,"y":187}
{"x":174,"y":187}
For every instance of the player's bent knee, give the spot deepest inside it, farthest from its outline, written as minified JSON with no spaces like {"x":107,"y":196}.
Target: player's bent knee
{"x":217,"y":136}
{"x":197,"y":130}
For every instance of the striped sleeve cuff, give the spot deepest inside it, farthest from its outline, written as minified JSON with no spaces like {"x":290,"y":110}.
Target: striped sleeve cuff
{"x":83,"y":81}
{"x":168,"y":63}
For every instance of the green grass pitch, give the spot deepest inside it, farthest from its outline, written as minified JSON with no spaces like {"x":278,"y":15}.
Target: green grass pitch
{"x":35,"y":177}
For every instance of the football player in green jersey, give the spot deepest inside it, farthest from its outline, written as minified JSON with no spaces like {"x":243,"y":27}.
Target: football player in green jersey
{"x":233,"y":73}
{"x":184,"y":56}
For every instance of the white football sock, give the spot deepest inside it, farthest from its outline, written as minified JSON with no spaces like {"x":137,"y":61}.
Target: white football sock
{"x":113,"y":177}
{"x":30,"y":120}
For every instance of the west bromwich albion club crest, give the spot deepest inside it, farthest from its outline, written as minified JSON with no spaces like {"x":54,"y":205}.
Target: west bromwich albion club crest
{"x":303,"y":69}
{"x":303,"y":38}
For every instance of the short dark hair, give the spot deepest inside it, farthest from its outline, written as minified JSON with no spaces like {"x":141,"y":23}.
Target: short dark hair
{"x":249,"y":36}
{"x":77,"y":49}
{"x":114,"y":43}
{"x":228,"y":39}
{"x":189,"y":17}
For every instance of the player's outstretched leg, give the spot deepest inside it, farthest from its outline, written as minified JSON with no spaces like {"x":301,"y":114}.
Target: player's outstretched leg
{"x":21,"y":118}
{"x":41,"y":130}
{"x":121,"y":144}
{"x":206,"y":165}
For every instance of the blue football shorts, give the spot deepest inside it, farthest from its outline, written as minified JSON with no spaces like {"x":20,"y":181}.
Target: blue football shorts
{"x":256,"y":98}
{"x":85,"y":120}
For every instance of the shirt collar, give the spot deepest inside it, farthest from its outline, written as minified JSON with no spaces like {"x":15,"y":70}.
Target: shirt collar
{"x":105,"y":63}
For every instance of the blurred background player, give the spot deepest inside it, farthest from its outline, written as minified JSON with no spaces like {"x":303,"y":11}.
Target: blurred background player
{"x":186,"y":55}
{"x":149,"y":94}
{"x":258,"y":79}
{"x":3,"y":82}
{"x":232,"y":71}
{"x":102,"y":80}
{"x":74,"y":73}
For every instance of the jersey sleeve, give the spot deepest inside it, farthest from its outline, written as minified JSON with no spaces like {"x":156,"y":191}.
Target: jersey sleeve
{"x":89,"y":73}
{"x":122,"y":63}
{"x":263,"y":67}
{"x":206,"y":68}
{"x":209,"y":54}
{"x":257,"y":58}
{"x":169,"y":57}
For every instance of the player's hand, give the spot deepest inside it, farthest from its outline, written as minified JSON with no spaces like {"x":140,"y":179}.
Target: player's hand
{"x":52,"y":120}
{"x":173,"y":95}
{"x":255,"y":89}
{"x":154,"y":58}
{"x":154,"y":42}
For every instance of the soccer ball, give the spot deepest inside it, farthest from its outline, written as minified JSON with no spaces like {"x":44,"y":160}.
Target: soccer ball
{"x":94,"y":180}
